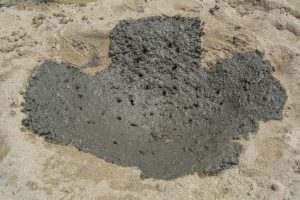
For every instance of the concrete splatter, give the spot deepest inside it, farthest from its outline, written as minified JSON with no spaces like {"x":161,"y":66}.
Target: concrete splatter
{"x":155,"y":107}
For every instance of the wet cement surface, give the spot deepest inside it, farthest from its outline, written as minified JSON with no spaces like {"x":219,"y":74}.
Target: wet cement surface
{"x":154,"y":107}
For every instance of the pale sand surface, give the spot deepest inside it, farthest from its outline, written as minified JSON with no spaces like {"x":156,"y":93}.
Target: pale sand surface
{"x":31,"y":168}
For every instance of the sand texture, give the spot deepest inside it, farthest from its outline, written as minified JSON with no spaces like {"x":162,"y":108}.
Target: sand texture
{"x":84,"y":35}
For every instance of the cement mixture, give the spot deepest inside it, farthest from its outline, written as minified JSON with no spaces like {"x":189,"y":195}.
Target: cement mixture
{"x":155,"y":107}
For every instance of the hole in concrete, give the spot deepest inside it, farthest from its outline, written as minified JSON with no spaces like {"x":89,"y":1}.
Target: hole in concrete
{"x":144,"y":50}
{"x":131,"y":100}
{"x":119,"y":118}
{"x":119,"y":100}
{"x":198,"y":135}
{"x":141,"y":74}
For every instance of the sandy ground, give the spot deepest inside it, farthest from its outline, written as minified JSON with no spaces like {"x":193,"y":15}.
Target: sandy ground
{"x":31,"y":168}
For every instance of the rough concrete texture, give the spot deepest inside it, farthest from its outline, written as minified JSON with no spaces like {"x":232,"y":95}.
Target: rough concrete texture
{"x":155,"y":107}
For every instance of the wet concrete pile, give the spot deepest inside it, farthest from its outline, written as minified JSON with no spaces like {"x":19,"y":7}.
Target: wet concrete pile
{"x":155,"y":107}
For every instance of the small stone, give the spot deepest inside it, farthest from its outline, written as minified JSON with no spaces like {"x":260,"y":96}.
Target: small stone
{"x":84,"y":18}
{"x":274,"y":187}
{"x":297,"y":167}
{"x":20,"y":53}
{"x":64,"y":20}
{"x":236,"y":40}
{"x":237,"y":27}
{"x":38,"y":20}
{"x":133,"y":124}
{"x":82,"y":5}
{"x":140,"y":9}
{"x":214,"y":9}
{"x":59,"y":15}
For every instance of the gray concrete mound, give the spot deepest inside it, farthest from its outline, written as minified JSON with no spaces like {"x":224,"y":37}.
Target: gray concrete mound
{"x":154,"y":107}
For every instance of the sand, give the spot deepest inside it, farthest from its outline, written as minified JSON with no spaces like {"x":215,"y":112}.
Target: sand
{"x":31,"y":168}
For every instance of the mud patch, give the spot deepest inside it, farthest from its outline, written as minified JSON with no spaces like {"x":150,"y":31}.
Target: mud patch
{"x":155,"y":107}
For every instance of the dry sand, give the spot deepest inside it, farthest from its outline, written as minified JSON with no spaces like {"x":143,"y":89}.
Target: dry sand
{"x":31,"y":168}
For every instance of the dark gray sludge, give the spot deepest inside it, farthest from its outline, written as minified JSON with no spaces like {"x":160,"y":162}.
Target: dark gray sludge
{"x":155,"y":107}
